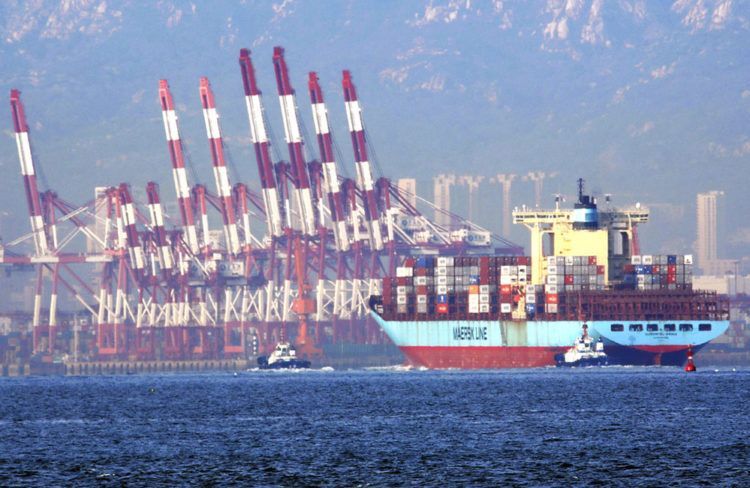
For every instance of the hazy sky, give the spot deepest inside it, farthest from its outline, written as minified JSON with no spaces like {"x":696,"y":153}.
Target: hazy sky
{"x":650,"y":101}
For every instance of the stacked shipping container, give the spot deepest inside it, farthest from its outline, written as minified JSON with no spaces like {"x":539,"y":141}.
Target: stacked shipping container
{"x":659,"y":272}
{"x":479,"y":286}
{"x":563,"y":274}
{"x":498,"y":287}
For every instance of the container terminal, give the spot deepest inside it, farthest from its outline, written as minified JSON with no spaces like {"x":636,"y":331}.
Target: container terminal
{"x":239,"y":270}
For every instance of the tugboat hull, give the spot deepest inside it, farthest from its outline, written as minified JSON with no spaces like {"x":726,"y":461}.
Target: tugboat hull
{"x":291,"y":364}
{"x":581,"y":363}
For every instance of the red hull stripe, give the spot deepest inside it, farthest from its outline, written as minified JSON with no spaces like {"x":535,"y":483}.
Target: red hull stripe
{"x":476,"y":357}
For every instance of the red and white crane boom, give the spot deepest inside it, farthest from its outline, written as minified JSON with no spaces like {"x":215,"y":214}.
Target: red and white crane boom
{"x":300,"y":177}
{"x":179,"y":173}
{"x":364,"y":171}
{"x":223,"y":188}
{"x":262,"y":145}
{"x":164,"y":250}
{"x":41,"y":239}
{"x":330,"y":173}
{"x":135,"y":249}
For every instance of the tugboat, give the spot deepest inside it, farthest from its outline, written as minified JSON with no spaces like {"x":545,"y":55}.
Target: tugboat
{"x":585,"y":352}
{"x":283,"y":357}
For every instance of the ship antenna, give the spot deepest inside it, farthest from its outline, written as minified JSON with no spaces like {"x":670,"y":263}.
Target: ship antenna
{"x":580,"y":190}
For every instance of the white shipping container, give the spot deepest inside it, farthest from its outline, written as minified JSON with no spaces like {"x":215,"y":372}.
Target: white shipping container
{"x":552,"y":269}
{"x":401,"y":290}
{"x":551,"y":289}
{"x":442,"y":289}
{"x":474,"y":308}
{"x":441,"y":271}
{"x":635,"y":259}
{"x":504,"y":270}
{"x":404,"y":272}
{"x":442,"y":261}
{"x":530,"y":289}
{"x":421,"y":298}
{"x":552,"y":279}
{"x":484,"y":298}
{"x":441,"y":280}
{"x":420,"y":280}
{"x":551,"y":308}
{"x":474,"y":299}
{"x":647,"y":259}
{"x":688,"y":259}
{"x":484,"y":288}
{"x":484,"y":308}
{"x":506,"y":307}
{"x":551,"y":261}
{"x":522,"y":279}
{"x":521,"y":269}
{"x":401,"y":300}
{"x":505,"y":280}
{"x":421,"y":308}
{"x":530,"y":298}
{"x":513,"y":279}
{"x":569,"y":261}
{"x":401,"y":308}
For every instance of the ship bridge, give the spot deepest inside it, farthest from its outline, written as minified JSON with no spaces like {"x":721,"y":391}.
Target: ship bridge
{"x":585,"y":230}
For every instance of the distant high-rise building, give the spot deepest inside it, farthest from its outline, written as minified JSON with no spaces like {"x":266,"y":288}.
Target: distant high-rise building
{"x":707,"y":223}
{"x":505,"y":180}
{"x":472,"y":182}
{"x":442,"y":198}
{"x":408,"y":188}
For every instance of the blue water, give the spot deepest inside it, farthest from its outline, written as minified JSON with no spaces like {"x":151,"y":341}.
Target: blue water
{"x":610,"y":426}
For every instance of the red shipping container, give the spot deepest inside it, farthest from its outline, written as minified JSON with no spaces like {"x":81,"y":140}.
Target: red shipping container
{"x":628,"y":268}
{"x":442,"y":308}
{"x":420,"y":272}
{"x":505,"y":289}
{"x":484,"y":262}
{"x":516,"y":298}
{"x":403,"y":281}
{"x":655,"y":269}
{"x":523,"y":260}
{"x":484,"y":276}
{"x":600,"y":269}
{"x":671,"y":279}
{"x":550,"y":298}
{"x":421,"y":290}
{"x":672,"y":268}
{"x":568,"y":279}
{"x":409,"y":262}
{"x":592,"y":260}
{"x":387,"y":300}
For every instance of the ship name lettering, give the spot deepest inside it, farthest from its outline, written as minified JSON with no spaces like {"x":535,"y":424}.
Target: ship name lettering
{"x":470,"y":333}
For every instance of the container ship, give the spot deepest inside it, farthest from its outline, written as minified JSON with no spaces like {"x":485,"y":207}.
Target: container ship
{"x":584,"y":272}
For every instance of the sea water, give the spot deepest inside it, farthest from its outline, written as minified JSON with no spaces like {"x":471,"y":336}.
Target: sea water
{"x":380,"y":427}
